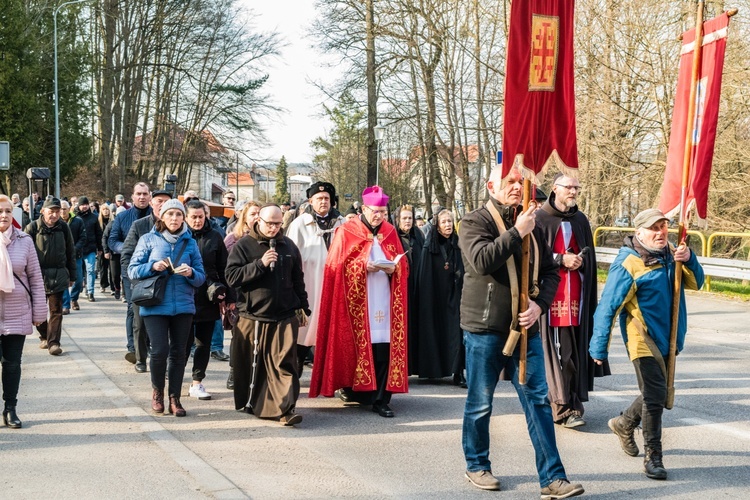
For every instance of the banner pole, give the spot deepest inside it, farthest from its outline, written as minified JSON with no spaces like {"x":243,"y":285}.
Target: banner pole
{"x":524,"y":293}
{"x":682,"y":231}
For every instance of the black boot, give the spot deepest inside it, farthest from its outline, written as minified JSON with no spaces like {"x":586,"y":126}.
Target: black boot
{"x":10,"y":418}
{"x":653,"y":465}
{"x":624,"y":430}
{"x":230,"y":379}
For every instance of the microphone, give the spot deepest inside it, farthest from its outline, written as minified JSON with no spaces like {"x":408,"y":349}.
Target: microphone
{"x":272,"y":244}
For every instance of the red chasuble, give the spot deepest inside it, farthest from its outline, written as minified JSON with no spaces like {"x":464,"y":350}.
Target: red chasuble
{"x":566,"y":306}
{"x":343,"y":351}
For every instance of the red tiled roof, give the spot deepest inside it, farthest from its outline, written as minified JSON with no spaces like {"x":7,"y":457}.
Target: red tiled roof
{"x":245,"y":179}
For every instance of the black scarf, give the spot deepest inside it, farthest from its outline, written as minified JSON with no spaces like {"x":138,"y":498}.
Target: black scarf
{"x":649,"y":258}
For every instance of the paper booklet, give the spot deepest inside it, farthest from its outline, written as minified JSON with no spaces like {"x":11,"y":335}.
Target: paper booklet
{"x":387,"y":264}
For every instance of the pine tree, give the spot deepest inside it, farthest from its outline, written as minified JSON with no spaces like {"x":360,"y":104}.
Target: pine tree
{"x":282,"y":178}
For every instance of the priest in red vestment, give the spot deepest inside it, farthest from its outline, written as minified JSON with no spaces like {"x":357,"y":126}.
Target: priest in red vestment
{"x":361,"y":352}
{"x":568,"y":325}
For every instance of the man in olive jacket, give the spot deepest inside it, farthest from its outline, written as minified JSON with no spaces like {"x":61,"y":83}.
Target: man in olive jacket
{"x":56,"y":251}
{"x":490,"y":240}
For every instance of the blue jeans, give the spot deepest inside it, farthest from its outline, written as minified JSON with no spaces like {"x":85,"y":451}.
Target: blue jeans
{"x":484,"y":362}
{"x":77,"y":284}
{"x":90,"y":259}
{"x":217,"y":340}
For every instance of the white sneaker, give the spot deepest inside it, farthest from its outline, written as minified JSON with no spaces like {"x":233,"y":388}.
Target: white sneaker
{"x":198,"y":391}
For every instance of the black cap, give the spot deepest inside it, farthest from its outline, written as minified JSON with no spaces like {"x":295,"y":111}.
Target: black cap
{"x":321,"y":187}
{"x":51,"y":203}
{"x":83,"y":200}
{"x":161,"y":191}
{"x":351,"y":211}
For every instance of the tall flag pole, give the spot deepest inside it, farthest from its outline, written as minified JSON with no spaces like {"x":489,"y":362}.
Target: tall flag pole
{"x":539,"y":127}
{"x":691,"y":144}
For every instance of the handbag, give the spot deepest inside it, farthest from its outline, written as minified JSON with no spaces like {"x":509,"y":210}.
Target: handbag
{"x":150,"y":291}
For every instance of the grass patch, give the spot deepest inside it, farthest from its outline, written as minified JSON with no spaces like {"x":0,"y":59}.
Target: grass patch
{"x":724,"y":287}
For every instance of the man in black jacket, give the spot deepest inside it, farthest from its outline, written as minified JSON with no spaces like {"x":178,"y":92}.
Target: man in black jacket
{"x":92,"y":246}
{"x":54,"y":247}
{"x":141,"y":198}
{"x":490,"y":240}
{"x":78,"y":231}
{"x":137,"y":230}
{"x":267,"y":269}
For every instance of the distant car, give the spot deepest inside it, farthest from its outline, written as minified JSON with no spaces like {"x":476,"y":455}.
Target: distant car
{"x":622,"y":221}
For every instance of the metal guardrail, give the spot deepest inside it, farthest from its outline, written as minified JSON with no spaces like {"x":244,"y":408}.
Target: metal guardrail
{"x":712,"y":266}
{"x":697,"y":234}
{"x":721,"y":234}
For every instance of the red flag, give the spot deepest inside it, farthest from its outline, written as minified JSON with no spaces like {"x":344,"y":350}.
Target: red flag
{"x":539,"y":124}
{"x":704,"y":125}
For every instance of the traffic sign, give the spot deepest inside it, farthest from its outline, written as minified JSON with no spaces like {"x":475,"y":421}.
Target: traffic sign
{"x":499,"y":157}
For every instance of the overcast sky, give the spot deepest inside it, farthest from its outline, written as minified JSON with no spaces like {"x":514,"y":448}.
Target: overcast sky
{"x":288,"y":84}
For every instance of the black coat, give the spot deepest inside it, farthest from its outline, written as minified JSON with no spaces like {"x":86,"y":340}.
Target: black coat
{"x":266,"y":295}
{"x":78,"y":230}
{"x":93,"y":234}
{"x":138,"y":230}
{"x":214,"y":255}
{"x":437,"y":351}
{"x":105,"y":236}
{"x":56,"y":253}
{"x":413,"y":243}
{"x":486,"y":297}
{"x":548,"y":219}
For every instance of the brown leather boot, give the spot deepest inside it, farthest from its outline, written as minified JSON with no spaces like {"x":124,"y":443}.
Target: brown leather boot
{"x":175,"y":407}
{"x":157,"y":401}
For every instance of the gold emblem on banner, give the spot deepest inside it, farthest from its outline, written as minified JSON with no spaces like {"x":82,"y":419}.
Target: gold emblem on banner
{"x":545,"y":31}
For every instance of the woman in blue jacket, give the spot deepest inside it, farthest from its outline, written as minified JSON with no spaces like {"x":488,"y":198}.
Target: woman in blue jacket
{"x":169,"y":323}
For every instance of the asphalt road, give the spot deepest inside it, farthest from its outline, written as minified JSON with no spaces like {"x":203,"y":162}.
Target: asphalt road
{"x":88,"y":432}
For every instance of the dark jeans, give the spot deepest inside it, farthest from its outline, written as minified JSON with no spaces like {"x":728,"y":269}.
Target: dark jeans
{"x":11,"y":348}
{"x":649,"y":406}
{"x":104,"y":278}
{"x":51,"y":330}
{"x":129,"y":316}
{"x":201,"y":333}
{"x":115,"y":272}
{"x":169,"y":336}
{"x":140,"y":335}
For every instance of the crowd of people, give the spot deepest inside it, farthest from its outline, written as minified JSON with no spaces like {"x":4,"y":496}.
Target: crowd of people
{"x":366,"y":301}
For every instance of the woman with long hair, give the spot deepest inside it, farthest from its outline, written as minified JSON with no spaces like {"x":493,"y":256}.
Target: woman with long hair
{"x":22,"y":301}
{"x":105,"y":278}
{"x":169,"y":249}
{"x":247,"y":217}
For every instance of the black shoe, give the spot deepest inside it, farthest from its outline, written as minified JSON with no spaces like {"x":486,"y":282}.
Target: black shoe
{"x":91,"y":298}
{"x":653,"y":466}
{"x":343,"y":395}
{"x":383,"y":410}
{"x":10,"y":418}
{"x":220,"y":355}
{"x":230,"y":379}
{"x":140,"y":367}
{"x":117,"y":295}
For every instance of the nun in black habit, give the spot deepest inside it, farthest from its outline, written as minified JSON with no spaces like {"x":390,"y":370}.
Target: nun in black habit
{"x":438,"y":351}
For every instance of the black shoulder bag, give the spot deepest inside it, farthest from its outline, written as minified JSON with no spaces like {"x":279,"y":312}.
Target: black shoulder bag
{"x":150,"y":291}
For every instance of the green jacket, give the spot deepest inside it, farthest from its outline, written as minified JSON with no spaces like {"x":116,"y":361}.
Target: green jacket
{"x":56,"y":252}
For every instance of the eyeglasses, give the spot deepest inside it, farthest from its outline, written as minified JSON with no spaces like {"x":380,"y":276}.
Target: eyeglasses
{"x":272,"y":224}
{"x":231,"y":199}
{"x":571,"y":188}
{"x":381,"y":211}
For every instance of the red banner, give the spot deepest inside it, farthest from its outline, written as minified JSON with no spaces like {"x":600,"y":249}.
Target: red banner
{"x":704,"y":124}
{"x":539,"y":125}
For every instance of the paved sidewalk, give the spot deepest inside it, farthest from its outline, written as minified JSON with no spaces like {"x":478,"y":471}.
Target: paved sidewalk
{"x":88,"y":431}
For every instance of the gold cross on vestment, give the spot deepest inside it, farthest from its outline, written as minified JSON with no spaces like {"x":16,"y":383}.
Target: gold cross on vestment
{"x":557,"y":308}
{"x":379,"y":317}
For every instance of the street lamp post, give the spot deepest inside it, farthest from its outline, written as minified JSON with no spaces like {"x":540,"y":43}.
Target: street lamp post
{"x":57,"y":98}
{"x":379,"y":133}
